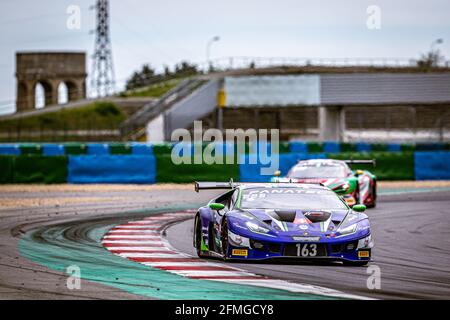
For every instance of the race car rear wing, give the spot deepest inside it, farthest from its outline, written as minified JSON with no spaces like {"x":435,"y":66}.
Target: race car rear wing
{"x":215,"y":185}
{"x":231,"y":184}
{"x":372,"y":162}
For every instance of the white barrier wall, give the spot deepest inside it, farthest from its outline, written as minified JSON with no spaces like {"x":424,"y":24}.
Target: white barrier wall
{"x":337,"y":89}
{"x":251,"y":91}
{"x":155,"y":130}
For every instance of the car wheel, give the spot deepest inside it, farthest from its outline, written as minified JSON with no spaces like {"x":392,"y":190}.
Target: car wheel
{"x":373,"y":204}
{"x":355,"y":263}
{"x":224,"y":239}
{"x":198,"y":236}
{"x":374,"y":195}
{"x":357,"y":195}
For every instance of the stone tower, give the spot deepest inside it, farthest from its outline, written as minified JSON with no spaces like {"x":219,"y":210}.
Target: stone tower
{"x":50,"y":69}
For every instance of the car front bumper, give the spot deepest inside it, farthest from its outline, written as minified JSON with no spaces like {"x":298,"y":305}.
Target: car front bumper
{"x":349,"y":250}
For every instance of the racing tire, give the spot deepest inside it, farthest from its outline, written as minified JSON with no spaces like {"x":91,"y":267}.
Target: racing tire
{"x":198,"y":236}
{"x":374,"y":195}
{"x":374,"y":204}
{"x":355,"y":263}
{"x":224,"y":239}
{"x":357,"y":195}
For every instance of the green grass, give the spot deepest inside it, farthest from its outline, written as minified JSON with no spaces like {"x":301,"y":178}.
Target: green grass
{"x":154,"y":91}
{"x":95,"y":116}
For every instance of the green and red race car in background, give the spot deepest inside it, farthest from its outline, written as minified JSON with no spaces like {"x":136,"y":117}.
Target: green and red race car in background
{"x":356,"y":187}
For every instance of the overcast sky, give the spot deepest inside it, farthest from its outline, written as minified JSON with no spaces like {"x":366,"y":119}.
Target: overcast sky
{"x":164,"y":32}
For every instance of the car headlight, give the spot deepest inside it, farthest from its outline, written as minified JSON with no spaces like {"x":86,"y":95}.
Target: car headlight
{"x":348,"y":229}
{"x":366,"y":243}
{"x":237,"y":240}
{"x":256,"y":228}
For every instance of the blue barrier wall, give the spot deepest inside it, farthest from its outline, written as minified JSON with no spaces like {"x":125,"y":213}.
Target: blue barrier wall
{"x":252,"y":172}
{"x":98,"y":149}
{"x":432,"y":165}
{"x":285,"y":147}
{"x":332,"y":147}
{"x":140,"y":167}
{"x":112,"y":169}
{"x":262,"y":147}
{"x":394,"y":147}
{"x":10,"y":149}
{"x":142,"y":149}
{"x":298,"y":147}
{"x":363,"y":147}
{"x":222,"y":149}
{"x":53,"y":150}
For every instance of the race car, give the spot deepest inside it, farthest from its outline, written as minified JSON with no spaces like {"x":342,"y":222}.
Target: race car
{"x":259,"y":221}
{"x":356,"y":187}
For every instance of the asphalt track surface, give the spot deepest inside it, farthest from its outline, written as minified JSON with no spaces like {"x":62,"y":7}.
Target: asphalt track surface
{"x":21,"y":278}
{"x":412,"y":251}
{"x":411,"y":231}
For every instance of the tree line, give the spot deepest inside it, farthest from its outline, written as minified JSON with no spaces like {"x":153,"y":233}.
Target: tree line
{"x":148,"y":75}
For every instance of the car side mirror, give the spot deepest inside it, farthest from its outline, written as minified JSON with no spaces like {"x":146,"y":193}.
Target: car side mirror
{"x":216,"y":206}
{"x":359,"y":208}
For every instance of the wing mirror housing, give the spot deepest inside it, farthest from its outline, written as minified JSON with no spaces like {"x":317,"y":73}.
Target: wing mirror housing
{"x":359,"y":208}
{"x":216,"y":206}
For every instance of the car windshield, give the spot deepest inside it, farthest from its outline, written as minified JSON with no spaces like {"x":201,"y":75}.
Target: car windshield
{"x":290,"y":198}
{"x":317,"y":171}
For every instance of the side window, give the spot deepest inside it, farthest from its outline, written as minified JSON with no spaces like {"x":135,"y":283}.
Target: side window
{"x":225,"y":199}
{"x":234,"y":198}
{"x":347,"y":170}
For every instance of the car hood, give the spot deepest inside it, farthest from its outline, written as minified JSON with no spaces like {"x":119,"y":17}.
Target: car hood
{"x":323,"y":223}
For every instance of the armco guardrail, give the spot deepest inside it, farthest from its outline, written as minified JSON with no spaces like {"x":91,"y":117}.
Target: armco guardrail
{"x":144,"y":163}
{"x":243,"y":62}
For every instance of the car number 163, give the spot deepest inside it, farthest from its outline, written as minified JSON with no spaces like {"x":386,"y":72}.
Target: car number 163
{"x":306,"y":250}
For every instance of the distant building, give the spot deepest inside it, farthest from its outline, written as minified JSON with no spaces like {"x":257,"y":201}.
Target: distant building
{"x":50,"y":70}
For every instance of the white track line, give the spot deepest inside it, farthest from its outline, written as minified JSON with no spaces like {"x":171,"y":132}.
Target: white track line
{"x":136,"y":242}
{"x":128,"y":231}
{"x":138,"y":249}
{"x":173,"y":264}
{"x":133,"y":236}
{"x":130,"y":227}
{"x":151,"y":255}
{"x":211,"y":273}
{"x":294,"y":287}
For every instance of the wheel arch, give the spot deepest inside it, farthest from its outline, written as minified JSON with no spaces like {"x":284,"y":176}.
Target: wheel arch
{"x":205,"y":216}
